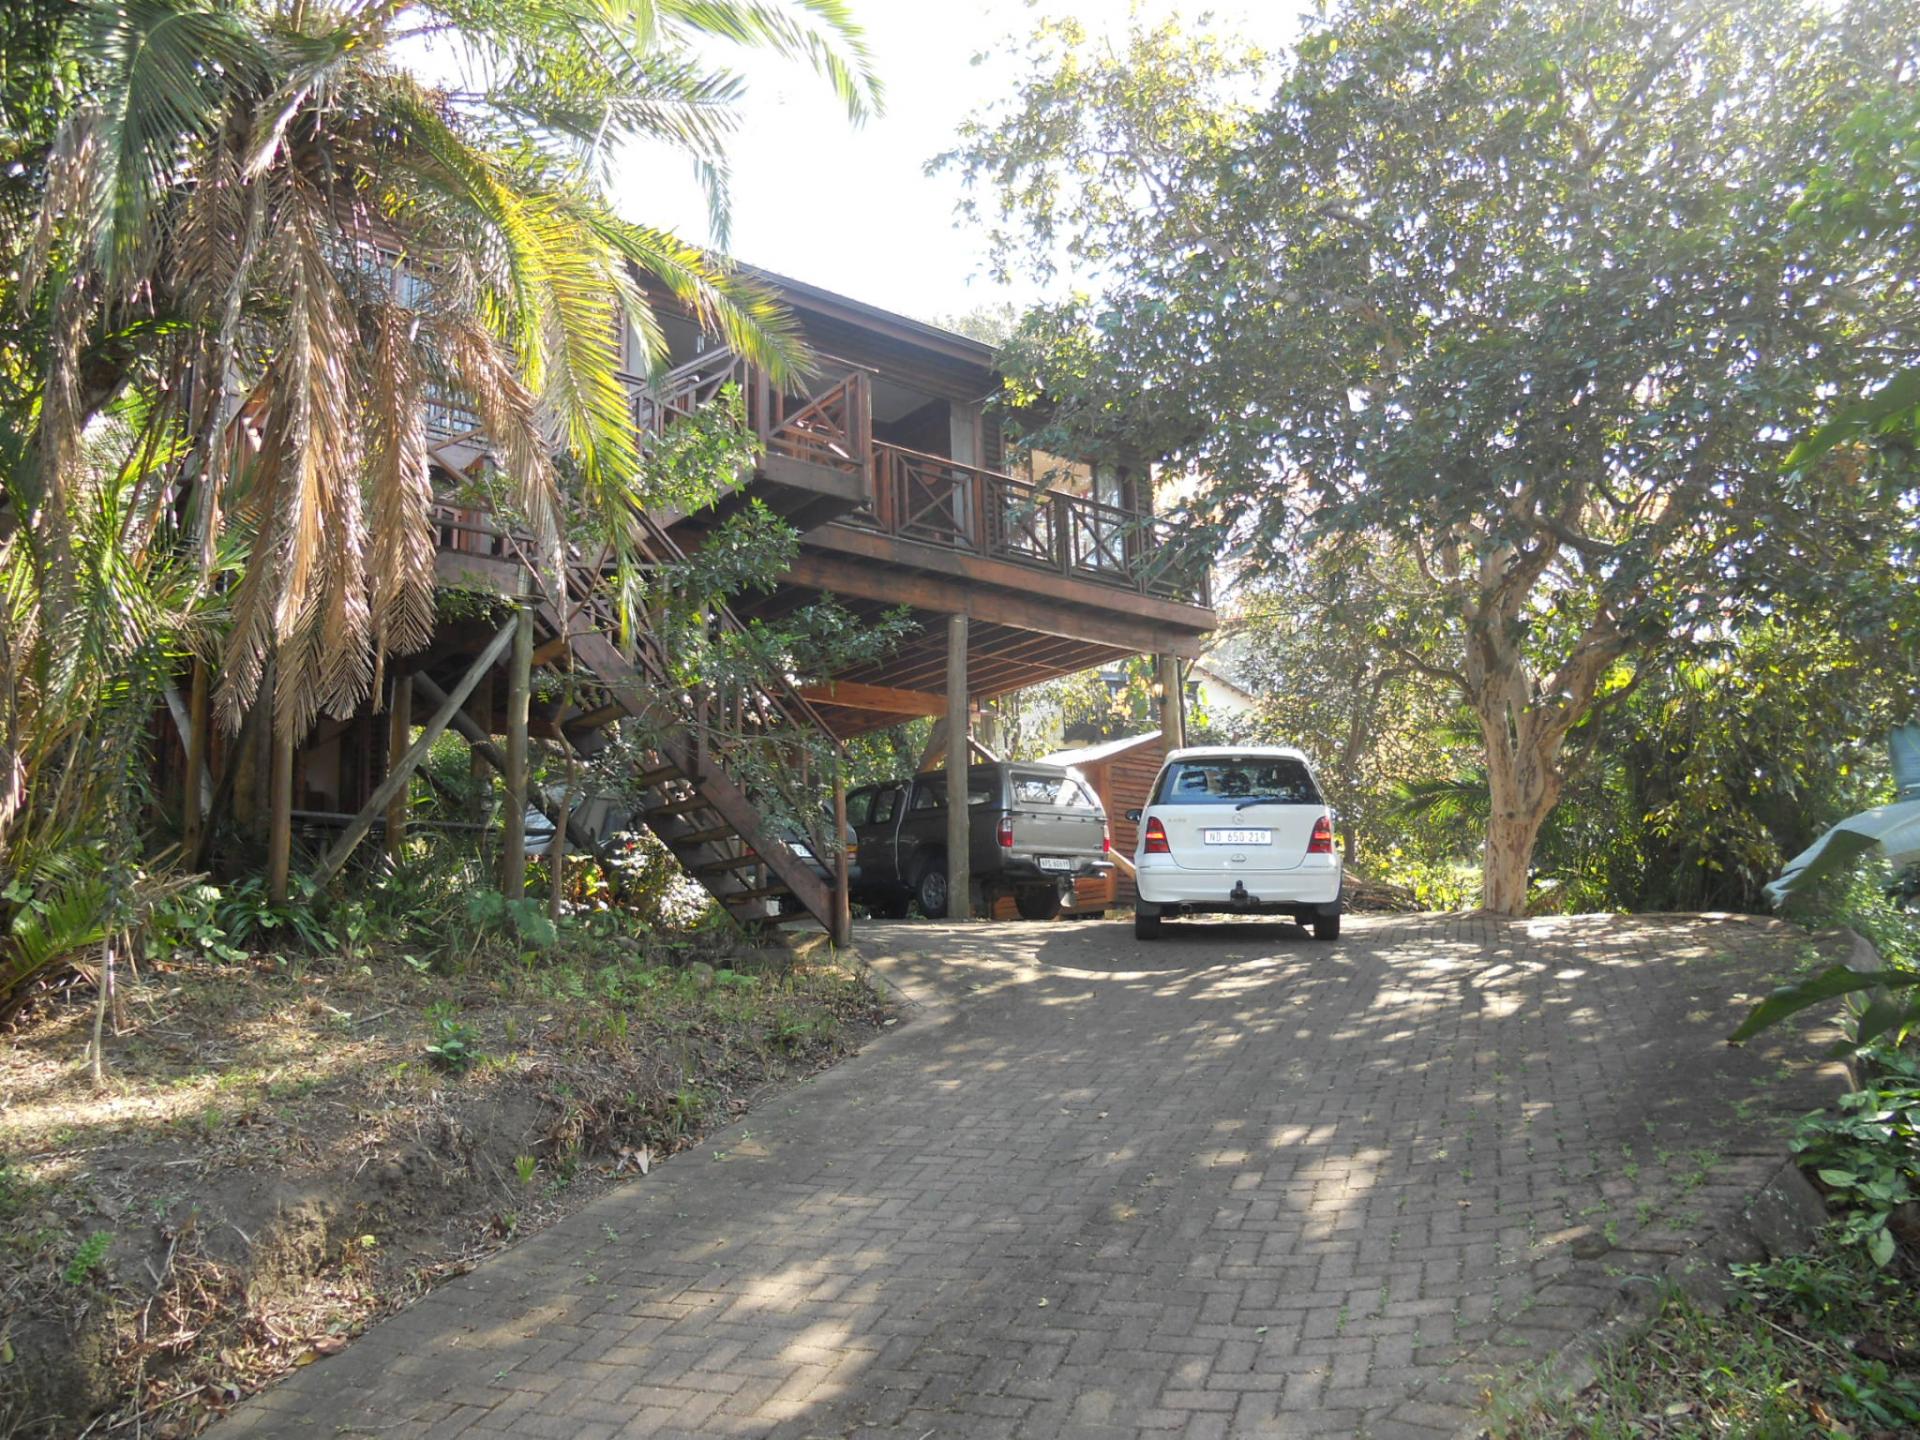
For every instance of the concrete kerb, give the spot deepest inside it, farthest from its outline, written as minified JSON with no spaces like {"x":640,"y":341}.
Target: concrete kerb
{"x":1781,"y":1218}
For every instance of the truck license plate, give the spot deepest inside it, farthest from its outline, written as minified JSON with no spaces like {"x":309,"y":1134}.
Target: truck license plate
{"x":1052,"y":862}
{"x":1239,"y":837}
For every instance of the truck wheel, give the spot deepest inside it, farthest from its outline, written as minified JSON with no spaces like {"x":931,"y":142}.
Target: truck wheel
{"x":932,"y":891}
{"x":1038,"y":903}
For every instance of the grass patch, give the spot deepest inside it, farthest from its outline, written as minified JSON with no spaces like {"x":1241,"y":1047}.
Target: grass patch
{"x":1823,"y":1345}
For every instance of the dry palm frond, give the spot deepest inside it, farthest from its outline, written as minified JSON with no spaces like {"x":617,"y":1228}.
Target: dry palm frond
{"x":509,"y":415}
{"x":400,"y":489}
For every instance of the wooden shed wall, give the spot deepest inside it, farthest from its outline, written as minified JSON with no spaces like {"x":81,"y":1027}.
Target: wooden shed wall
{"x":1123,"y":781}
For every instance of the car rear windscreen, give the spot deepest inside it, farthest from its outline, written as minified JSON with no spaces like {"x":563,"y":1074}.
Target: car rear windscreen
{"x":1232,"y":779}
{"x":1031,"y":788}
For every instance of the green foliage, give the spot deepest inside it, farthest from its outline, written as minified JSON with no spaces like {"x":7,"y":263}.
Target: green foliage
{"x":87,"y":1257}
{"x":453,"y":1045}
{"x":1819,"y":1348}
{"x":1868,"y":1157}
{"x":526,"y":920}
{"x":251,"y":920}
{"x":191,"y":921}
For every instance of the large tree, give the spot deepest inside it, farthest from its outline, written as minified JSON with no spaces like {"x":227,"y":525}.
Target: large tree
{"x":1515,"y":287}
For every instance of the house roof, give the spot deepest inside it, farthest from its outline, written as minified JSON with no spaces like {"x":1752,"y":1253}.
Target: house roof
{"x":1205,"y":666}
{"x":801,"y":295}
{"x":1105,"y":750}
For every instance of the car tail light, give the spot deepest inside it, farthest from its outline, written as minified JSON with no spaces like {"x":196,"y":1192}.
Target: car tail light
{"x":1005,"y":833}
{"x":1156,"y":843}
{"x":1322,"y":841}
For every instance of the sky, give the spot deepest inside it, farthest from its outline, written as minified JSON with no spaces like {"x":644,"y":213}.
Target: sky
{"x":850,"y":209}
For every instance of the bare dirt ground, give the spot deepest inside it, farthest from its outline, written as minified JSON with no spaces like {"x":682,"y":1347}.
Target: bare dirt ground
{"x":285,"y":1150}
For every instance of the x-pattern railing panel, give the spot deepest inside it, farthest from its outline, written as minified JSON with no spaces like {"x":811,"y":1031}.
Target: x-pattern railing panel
{"x":936,"y":501}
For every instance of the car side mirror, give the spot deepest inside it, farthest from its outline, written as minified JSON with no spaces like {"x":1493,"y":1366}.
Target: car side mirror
{"x":1134,"y":815}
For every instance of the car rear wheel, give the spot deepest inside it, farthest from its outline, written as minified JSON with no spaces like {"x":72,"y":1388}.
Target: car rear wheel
{"x":1038,"y":903}
{"x":1326,"y":927}
{"x":931,"y":892}
{"x":1146,"y":927}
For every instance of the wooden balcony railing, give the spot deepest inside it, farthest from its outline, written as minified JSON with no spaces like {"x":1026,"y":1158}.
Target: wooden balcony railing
{"x":938,"y":501}
{"x":913,"y":495}
{"x":828,"y":427}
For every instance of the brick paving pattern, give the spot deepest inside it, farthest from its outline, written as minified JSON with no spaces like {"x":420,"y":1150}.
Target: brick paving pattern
{"x":1234,"y":1183}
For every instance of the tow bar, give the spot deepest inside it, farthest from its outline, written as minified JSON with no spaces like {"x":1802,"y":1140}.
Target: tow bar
{"x":1240,"y":897}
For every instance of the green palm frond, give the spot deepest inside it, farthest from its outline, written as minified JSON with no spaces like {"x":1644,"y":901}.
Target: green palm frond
{"x":820,"y":32}
{"x":1444,"y":799}
{"x":168,"y":71}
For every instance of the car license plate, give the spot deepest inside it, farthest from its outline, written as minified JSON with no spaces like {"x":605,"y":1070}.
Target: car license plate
{"x":1054,"y":862}
{"x":1239,"y":837}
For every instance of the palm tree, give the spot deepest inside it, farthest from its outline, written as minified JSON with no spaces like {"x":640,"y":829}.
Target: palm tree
{"x":272,"y":227}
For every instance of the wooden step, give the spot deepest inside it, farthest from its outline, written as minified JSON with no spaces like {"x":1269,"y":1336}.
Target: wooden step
{"x":594,"y":719}
{"x":679,"y":807}
{"x":700,"y":837}
{"x":720,"y":867}
{"x":650,"y":778}
{"x":741,"y":897}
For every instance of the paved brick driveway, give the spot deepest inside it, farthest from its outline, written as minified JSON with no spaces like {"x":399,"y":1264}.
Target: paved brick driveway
{"x":1234,"y":1183}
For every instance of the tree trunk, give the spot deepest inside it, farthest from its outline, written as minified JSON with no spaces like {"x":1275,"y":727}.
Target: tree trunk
{"x":1523,"y":783}
{"x":1509,"y":857}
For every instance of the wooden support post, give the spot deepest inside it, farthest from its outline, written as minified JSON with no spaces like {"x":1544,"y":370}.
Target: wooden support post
{"x":398,"y":775}
{"x":557,"y":846}
{"x":280,"y":814}
{"x":197,"y":788}
{"x":480,"y":711}
{"x":959,"y":857}
{"x":399,"y":737}
{"x":513,"y":847}
{"x":225,"y":790}
{"x":1173,"y":703}
{"x":842,"y":902}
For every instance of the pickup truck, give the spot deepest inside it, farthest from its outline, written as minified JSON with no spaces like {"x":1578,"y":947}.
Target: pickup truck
{"x":1032,"y":830}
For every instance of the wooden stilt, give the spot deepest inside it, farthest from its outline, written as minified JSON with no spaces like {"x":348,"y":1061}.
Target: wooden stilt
{"x":1173,"y":703}
{"x":249,"y":761}
{"x":959,"y":857}
{"x":399,"y":737}
{"x":280,"y":815}
{"x":226,"y":790}
{"x":513,"y":848}
{"x":842,"y":906}
{"x":400,"y":773}
{"x":480,"y":711}
{"x":197,"y":787}
{"x":557,"y":847}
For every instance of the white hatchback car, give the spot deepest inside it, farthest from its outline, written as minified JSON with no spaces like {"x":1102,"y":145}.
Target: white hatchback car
{"x":1236,"y":830}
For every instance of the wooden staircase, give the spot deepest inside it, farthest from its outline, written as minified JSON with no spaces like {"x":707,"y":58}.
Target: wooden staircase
{"x":731,"y":774}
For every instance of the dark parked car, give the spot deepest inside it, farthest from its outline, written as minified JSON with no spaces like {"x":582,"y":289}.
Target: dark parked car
{"x":1032,"y":830}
